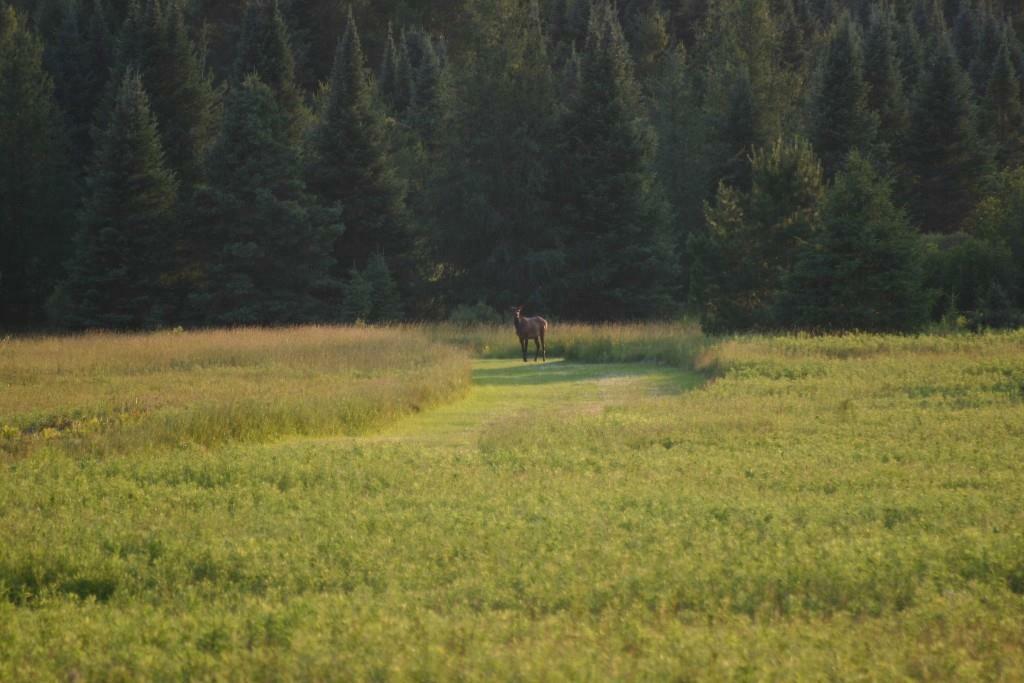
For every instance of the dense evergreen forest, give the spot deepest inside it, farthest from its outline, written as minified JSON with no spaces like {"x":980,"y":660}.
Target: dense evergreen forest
{"x":764,"y":164}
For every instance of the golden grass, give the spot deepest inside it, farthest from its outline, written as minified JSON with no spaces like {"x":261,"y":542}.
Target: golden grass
{"x":107,"y":390}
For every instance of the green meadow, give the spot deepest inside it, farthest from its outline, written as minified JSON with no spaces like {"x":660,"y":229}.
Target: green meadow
{"x":415,"y":503}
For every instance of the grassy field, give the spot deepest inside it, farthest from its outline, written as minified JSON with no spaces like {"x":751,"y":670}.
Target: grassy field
{"x":103,"y":393}
{"x":844,"y":508}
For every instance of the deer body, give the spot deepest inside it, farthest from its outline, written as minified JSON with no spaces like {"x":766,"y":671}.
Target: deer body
{"x":530,"y":328}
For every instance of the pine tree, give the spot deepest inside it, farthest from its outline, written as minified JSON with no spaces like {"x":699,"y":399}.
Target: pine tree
{"x":992,"y":34}
{"x":911,"y":54}
{"x":80,"y":59}
{"x":120,"y":251}
{"x":267,"y":243}
{"x":35,"y":180}
{"x":155,"y":43}
{"x":748,"y":92}
{"x":943,"y":152}
{"x":494,"y":239}
{"x":387,"y":302}
{"x":886,"y":92}
{"x":265,"y":48}
{"x":620,"y":258}
{"x":351,"y":168}
{"x":794,"y":41}
{"x":387,"y":77}
{"x":929,"y":19}
{"x":741,"y":130}
{"x":648,"y":38}
{"x":357,"y":305}
{"x":862,"y":270}
{"x":752,"y":239}
{"x":967,"y":29}
{"x":998,"y":221}
{"x":841,"y":118}
{"x":421,"y":73}
{"x":1002,"y":116}
{"x":681,"y":153}
{"x":721,"y":288}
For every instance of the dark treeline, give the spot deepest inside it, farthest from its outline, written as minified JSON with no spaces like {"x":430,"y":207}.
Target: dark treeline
{"x":765,"y":164}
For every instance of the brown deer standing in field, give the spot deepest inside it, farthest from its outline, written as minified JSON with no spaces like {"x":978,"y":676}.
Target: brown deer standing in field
{"x":530,"y":328}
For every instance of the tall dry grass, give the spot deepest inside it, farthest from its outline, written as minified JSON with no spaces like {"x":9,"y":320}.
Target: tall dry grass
{"x":671,"y":343}
{"x":106,"y":391}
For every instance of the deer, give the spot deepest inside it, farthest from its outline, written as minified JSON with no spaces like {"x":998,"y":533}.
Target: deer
{"x":530,"y":328}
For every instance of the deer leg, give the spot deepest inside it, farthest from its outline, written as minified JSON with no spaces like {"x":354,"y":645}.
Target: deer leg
{"x":543,"y":348}
{"x":524,"y":342}
{"x":536,"y":349}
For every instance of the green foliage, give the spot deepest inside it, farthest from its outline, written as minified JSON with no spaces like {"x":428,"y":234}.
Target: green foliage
{"x":358,"y":302}
{"x":371,"y":294}
{"x":1002,"y":115}
{"x":841,"y":118}
{"x":80,"y":58}
{"x":36,"y":192}
{"x":264,"y":47}
{"x":1000,"y":213}
{"x":611,"y":206}
{"x":350,"y":167}
{"x":943,"y":152}
{"x":122,"y":247}
{"x":862,"y":270}
{"x":265,"y":242}
{"x":753,"y":239}
{"x":156,"y":44}
{"x":494,"y":236}
{"x":558,"y":153}
{"x":477,"y":314}
{"x":887,"y":93}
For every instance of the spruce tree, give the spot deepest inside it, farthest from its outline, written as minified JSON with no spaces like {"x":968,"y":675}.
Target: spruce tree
{"x":751,"y":240}
{"x":351,"y":168}
{"x":35,"y":180}
{"x":992,"y":34}
{"x":267,"y":243}
{"x":911,"y":53}
{"x":386,"y":300}
{"x":647,"y":34}
{"x":264,"y":48}
{"x":1002,"y":116}
{"x":944,"y":154}
{"x":841,"y":119}
{"x":862,"y":270}
{"x":740,"y":131}
{"x":357,"y":304}
{"x":155,"y":42}
{"x":619,"y":256}
{"x":887,"y":95}
{"x":121,"y":249}
{"x":682,"y":131}
{"x":722,"y":288}
{"x":387,"y":77}
{"x":421,"y":68}
{"x":494,"y":238}
{"x":80,"y":59}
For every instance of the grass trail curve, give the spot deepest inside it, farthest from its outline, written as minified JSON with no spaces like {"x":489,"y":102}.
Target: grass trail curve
{"x":509,"y":391}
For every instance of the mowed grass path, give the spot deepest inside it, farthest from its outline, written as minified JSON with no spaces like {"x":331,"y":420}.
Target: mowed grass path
{"x":508,"y":392}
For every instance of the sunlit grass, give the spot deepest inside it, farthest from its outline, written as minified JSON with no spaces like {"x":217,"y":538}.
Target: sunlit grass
{"x":122,"y":392}
{"x":796,"y":508}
